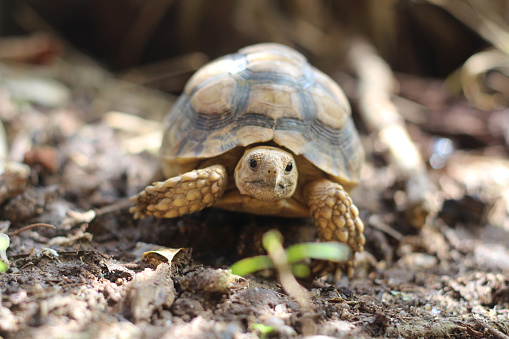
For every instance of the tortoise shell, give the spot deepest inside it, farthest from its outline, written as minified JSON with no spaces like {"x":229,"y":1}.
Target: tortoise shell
{"x":265,"y":93}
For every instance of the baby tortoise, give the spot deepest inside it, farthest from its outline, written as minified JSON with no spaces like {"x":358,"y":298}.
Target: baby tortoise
{"x":264,"y":132}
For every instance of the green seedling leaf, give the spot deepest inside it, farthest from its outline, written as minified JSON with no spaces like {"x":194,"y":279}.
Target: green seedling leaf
{"x":4,"y":244}
{"x":300,"y":270}
{"x":271,"y":239}
{"x":262,"y":329}
{"x":4,"y":241}
{"x":250,"y":265}
{"x":332,"y":251}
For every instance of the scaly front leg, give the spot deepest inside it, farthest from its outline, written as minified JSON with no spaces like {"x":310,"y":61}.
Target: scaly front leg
{"x":184,"y":194}
{"x":336,"y":217}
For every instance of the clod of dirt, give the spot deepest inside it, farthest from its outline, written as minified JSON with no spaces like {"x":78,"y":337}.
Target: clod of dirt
{"x":342,"y":329}
{"x":208,"y":280}
{"x":45,"y":156}
{"x":148,"y":292}
{"x":467,"y":209}
{"x":27,"y":205}
{"x":13,"y":179}
{"x":202,"y":290}
{"x":252,"y":301}
{"x":200,"y":327}
{"x":188,"y":308}
{"x":279,"y":327}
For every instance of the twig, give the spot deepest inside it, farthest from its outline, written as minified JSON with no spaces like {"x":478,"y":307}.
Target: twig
{"x":75,"y":218}
{"x":164,"y":69}
{"x":288,"y":281}
{"x":381,"y":116}
{"x":28,"y":227}
{"x":494,"y":332}
{"x":117,"y":206}
{"x":473,"y":79}
{"x":377,"y":222}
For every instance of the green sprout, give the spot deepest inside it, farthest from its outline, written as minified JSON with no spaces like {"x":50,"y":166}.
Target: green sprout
{"x":4,"y":244}
{"x":262,"y":329}
{"x":296,"y":254}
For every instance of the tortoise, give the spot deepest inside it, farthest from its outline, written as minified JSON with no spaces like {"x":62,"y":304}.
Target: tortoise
{"x":264,"y":132}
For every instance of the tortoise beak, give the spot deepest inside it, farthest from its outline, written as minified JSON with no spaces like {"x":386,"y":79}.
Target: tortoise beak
{"x":282,"y":185}
{"x":272,"y":180}
{"x":271,"y":174}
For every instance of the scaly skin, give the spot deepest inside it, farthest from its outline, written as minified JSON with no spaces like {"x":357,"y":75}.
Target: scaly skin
{"x":336,"y":217}
{"x":183,"y":194}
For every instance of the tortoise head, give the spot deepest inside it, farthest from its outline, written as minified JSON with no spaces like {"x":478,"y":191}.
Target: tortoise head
{"x":266,"y":173}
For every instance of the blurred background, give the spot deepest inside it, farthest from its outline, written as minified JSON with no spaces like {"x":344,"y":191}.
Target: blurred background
{"x":449,"y":58}
{"x":431,"y":38}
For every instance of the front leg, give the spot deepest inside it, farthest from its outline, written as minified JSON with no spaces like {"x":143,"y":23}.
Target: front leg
{"x":184,"y":194}
{"x":336,"y":217}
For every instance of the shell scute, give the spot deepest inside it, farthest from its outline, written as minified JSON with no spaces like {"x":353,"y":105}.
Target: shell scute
{"x":274,"y":100}
{"x":327,"y":108}
{"x":215,"y":97}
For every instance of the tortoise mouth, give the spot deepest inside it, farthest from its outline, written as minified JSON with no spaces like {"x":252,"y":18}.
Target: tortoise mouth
{"x":280,"y":188}
{"x":264,"y":184}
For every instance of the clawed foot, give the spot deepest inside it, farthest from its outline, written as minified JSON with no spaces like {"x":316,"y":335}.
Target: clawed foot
{"x":184,"y":194}
{"x":336,"y":217}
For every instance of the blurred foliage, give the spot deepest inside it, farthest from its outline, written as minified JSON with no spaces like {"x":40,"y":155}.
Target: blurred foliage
{"x":166,"y":40}
{"x":414,"y":36}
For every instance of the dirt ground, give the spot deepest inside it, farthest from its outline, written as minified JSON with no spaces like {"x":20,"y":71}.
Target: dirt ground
{"x":78,"y":131}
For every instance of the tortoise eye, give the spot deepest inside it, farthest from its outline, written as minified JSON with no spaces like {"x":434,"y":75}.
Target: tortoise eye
{"x":253,"y":163}
{"x":289,"y":167}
